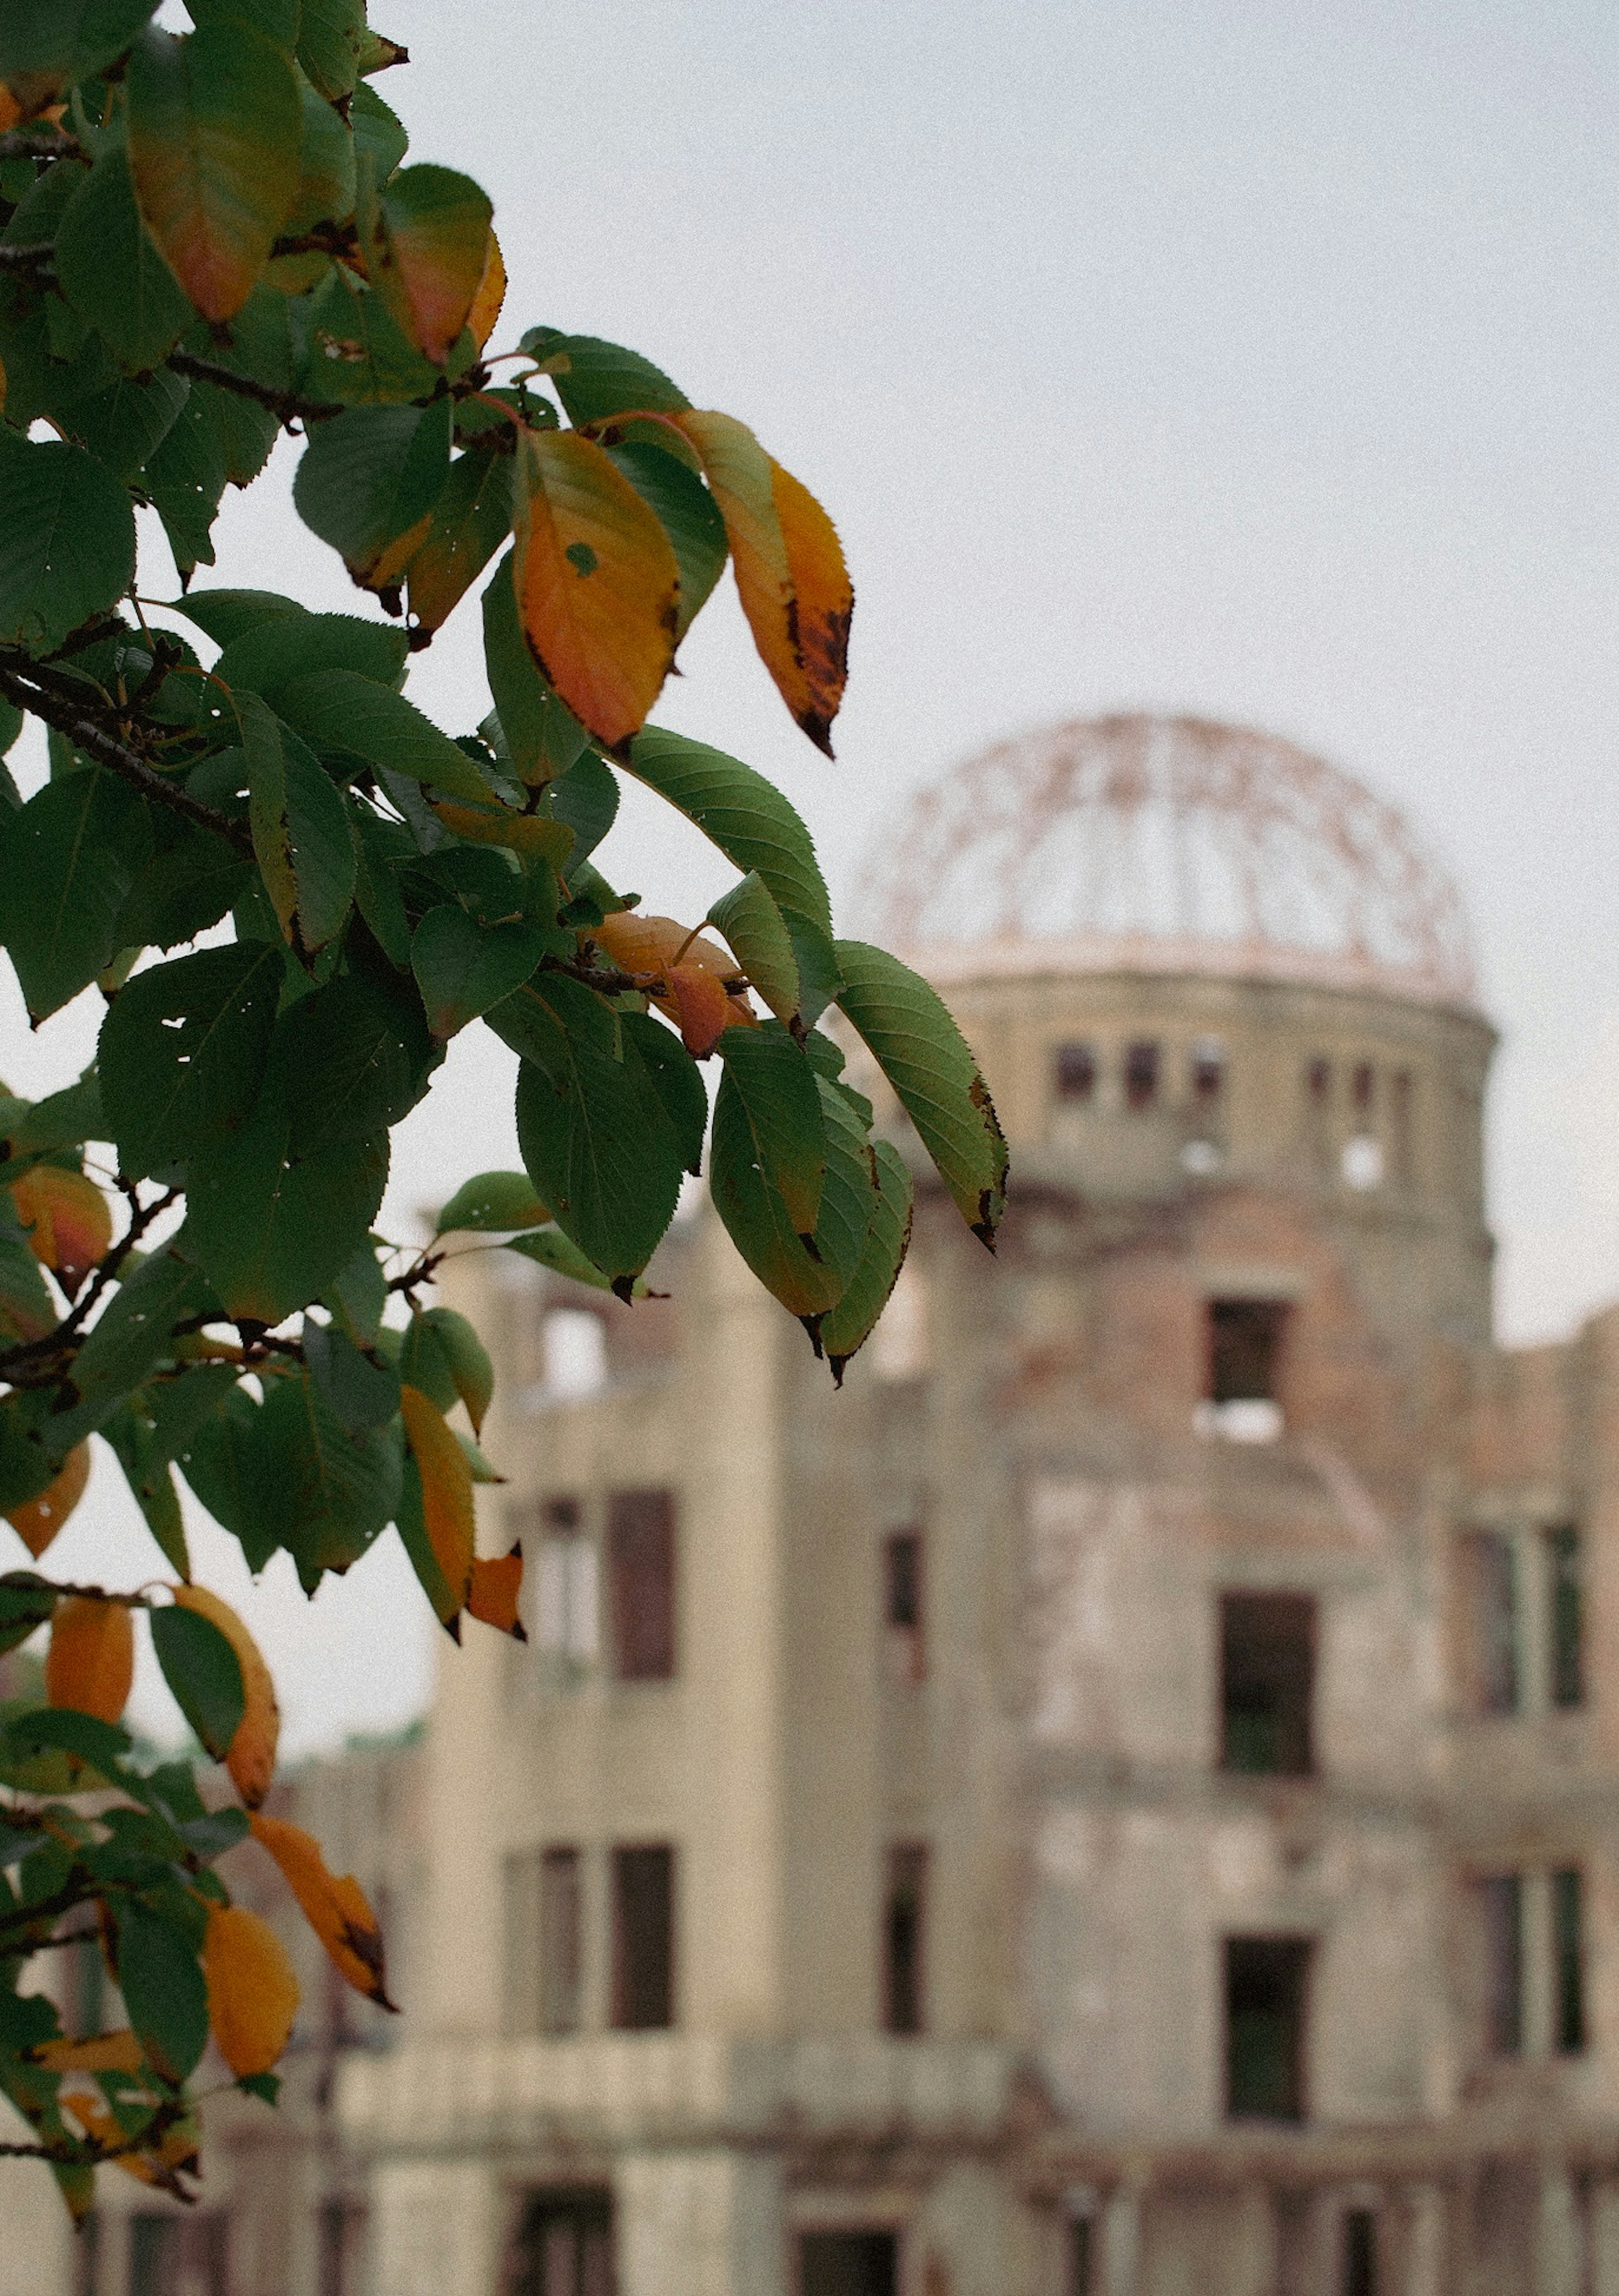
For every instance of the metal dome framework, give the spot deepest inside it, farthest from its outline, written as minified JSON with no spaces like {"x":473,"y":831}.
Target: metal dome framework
{"x":1168,"y":844}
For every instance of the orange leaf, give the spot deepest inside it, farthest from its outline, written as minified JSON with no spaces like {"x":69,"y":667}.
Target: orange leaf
{"x":596,"y":582}
{"x":104,"y":2053}
{"x":648,"y":946}
{"x":447,"y":1491}
{"x":425,"y":239}
{"x":335,"y":1907}
{"x":702,"y":1008}
{"x":38,"y":1520}
{"x":252,"y":1992}
{"x":90,"y":1663}
{"x":11,"y":110}
{"x":174,"y":2153}
{"x":496,"y":1584}
{"x":250,"y":1759}
{"x":790,"y":572}
{"x":69,"y":1220}
{"x":491,"y":294}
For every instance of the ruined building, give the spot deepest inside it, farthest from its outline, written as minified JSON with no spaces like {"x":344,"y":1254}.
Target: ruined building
{"x":1119,"y":1802}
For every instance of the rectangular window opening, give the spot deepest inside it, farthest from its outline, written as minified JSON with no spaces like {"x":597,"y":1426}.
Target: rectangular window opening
{"x":1245,"y":1344}
{"x":1075,"y":1070}
{"x":903,"y":1605}
{"x":1360,"y":2274}
{"x":1490,"y":1563}
{"x":1317,"y":1082}
{"x":1567,"y":1925}
{"x":1267,"y":1665}
{"x":904,"y":1938}
{"x":168,"y":2253}
{"x":1208,"y":1071}
{"x":1267,"y":1982}
{"x":341,"y":2238}
{"x":1140,"y":1075}
{"x":1564,"y":1616}
{"x":1082,"y":2251}
{"x":644,"y":1939}
{"x":1362,"y":1086}
{"x":1501,"y":1904}
{"x":848,"y":2264}
{"x":563,"y":2244}
{"x":641,"y":1584}
{"x":566,"y":1602}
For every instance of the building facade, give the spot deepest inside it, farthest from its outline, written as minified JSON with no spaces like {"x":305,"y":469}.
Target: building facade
{"x":1121,"y":1799}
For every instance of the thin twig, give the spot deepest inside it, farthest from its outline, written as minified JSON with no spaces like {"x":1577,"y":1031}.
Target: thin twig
{"x":26,"y":259}
{"x":64,"y":1334}
{"x":282,"y":404}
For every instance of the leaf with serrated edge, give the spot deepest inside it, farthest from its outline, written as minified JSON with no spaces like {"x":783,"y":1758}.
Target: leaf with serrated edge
{"x":746,"y":816}
{"x":447,"y":1492}
{"x":850,"y":1324}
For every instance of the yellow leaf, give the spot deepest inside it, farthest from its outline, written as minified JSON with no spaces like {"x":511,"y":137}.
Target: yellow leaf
{"x":252,"y":1992}
{"x":104,"y":2053}
{"x":791,"y":577}
{"x":334,"y":1906}
{"x":68,"y":1218}
{"x":447,"y":1489}
{"x":38,"y":1520}
{"x":596,"y":582}
{"x":496,"y":1585}
{"x":90,"y":1663}
{"x":526,"y":833}
{"x":702,"y":1009}
{"x":490,"y":295}
{"x":174,"y":2155}
{"x":251,"y":1756}
{"x":648,"y":947}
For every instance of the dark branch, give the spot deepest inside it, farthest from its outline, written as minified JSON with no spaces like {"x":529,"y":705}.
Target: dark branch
{"x":65,"y":1333}
{"x":24,"y":688}
{"x":33,"y":257}
{"x":34,"y":143}
{"x":282,"y":403}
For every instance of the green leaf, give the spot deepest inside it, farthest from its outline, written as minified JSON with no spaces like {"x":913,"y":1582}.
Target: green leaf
{"x":774,"y":1089}
{"x":331,"y":40}
{"x":595,"y":379}
{"x":368,"y":479}
{"x":379,"y":846}
{"x":300,"y":828}
{"x":67,"y":863}
{"x":26,"y":1603}
{"x":542,"y":735}
{"x":112,"y":273}
{"x":186,"y":477}
{"x":349,"y":1059}
{"x":270,"y":1232}
{"x":463,"y":968}
{"x":10,"y":725}
{"x":103,"y":1745}
{"x":676,"y":1079}
{"x":471,"y":519}
{"x":226,"y":615}
{"x":124,"y":425}
{"x":189,"y":885}
{"x":215,"y":128}
{"x":354,"y":353}
{"x":549,"y":1248}
{"x":818,"y":978}
{"x":442,"y":1355}
{"x":27,"y":1310}
{"x":379,"y":133}
{"x":67,"y":541}
{"x":328,"y":1492}
{"x":181,"y":1053}
{"x":274,"y":651}
{"x":925,"y":1059}
{"x":343,"y":715}
{"x":222,"y":1463}
{"x":326,"y":180}
{"x":162,"y":1982}
{"x":62,"y":1119}
{"x":690,"y":517}
{"x":586,"y":797}
{"x":133,"y":1334}
{"x":748,"y":917}
{"x":361,"y":1393}
{"x":849,"y":1191}
{"x":146,"y":1470}
{"x":425,"y":235}
{"x":595,"y":1137}
{"x":202,"y":1671}
{"x":491,"y":1204}
{"x":412,"y":1525}
{"x":746,"y":816}
{"x":358,"y":1296}
{"x":66,"y":40}
{"x":243,"y":432}
{"x":755,"y":1218}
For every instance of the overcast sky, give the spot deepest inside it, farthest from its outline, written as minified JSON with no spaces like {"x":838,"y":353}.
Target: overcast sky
{"x":1256,"y":361}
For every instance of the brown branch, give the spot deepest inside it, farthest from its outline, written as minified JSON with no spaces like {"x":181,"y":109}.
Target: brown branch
{"x":87,"y":2152}
{"x":34,"y":143}
{"x":32,"y":258}
{"x":282,"y":404}
{"x":25,"y":689}
{"x":65,"y":1333}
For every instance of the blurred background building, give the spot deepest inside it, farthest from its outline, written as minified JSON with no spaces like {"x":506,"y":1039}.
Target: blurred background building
{"x":1119,"y":1802}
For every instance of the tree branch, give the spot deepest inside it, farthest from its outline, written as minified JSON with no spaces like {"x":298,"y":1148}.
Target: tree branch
{"x":32,"y":258}
{"x":22,"y":688}
{"x":282,"y":404}
{"x":67,"y":1331}
{"x":34,"y":143}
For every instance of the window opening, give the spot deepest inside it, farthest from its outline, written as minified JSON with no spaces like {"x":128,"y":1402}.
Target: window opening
{"x":545,"y":1929}
{"x":1245,"y":1342}
{"x":1501,"y":1901}
{"x":1081,"y":2248}
{"x":1567,"y":1925}
{"x":575,"y":1349}
{"x":87,"y":2255}
{"x":1140,"y":1075}
{"x":1360,"y":2276}
{"x":641,"y":1589}
{"x":177,"y":2255}
{"x":563,"y":2244}
{"x":1318,"y":1081}
{"x":1266,"y":1648}
{"x":1267,"y":1982}
{"x":1564,"y":1616}
{"x":1490,"y":1564}
{"x":904,"y":1938}
{"x":1208,"y":1070}
{"x":566,"y":1606}
{"x":1361,"y":1086}
{"x":902,"y":1604}
{"x":644,"y":1937}
{"x":848,"y":2264}
{"x":1401,"y":1135}
{"x":341,"y":2238}
{"x":1076,"y":1072}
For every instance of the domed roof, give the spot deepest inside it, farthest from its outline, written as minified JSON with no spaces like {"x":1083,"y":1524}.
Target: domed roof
{"x":1167,"y":845}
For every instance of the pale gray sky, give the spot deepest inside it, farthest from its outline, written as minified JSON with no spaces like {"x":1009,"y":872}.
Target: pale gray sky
{"x":1261,"y":361}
